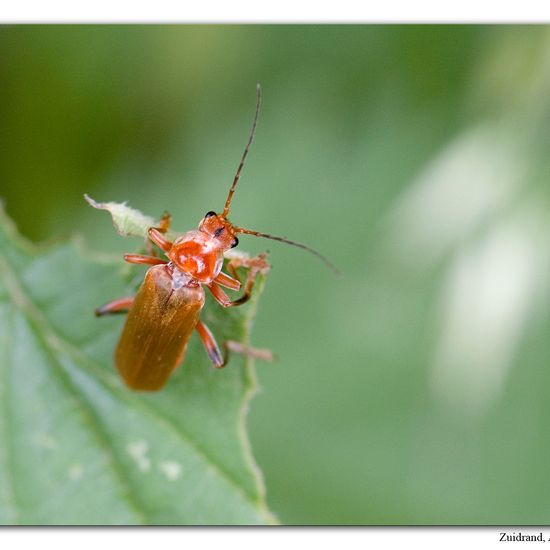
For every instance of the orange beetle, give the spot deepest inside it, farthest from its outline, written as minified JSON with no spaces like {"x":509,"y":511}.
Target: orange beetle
{"x":165,"y":311}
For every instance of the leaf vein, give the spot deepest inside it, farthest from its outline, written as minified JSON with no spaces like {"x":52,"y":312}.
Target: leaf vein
{"x":102,"y":439}
{"x":58,"y":343}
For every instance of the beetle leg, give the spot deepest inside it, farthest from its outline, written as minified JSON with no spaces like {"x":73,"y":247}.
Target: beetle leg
{"x":163,"y":227}
{"x":157,"y":237}
{"x":232,"y":268}
{"x":142,"y":259}
{"x":164,"y":224}
{"x":223,"y":299}
{"x":210,"y":345}
{"x":122,"y":305}
{"x":256,"y":265}
{"x":255,"y":353}
{"x":228,"y":282}
{"x":215,"y":355}
{"x":220,"y":296}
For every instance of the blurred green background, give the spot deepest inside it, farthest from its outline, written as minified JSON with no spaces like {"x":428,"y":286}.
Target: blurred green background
{"x":414,"y":388}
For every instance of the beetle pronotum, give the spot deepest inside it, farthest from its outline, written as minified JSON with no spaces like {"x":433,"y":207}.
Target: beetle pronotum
{"x":166,"y":308}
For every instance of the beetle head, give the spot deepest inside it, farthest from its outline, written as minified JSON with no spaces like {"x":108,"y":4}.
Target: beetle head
{"x":220,"y":228}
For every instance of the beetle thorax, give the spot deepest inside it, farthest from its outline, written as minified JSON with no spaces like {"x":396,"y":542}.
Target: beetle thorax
{"x":197,"y":255}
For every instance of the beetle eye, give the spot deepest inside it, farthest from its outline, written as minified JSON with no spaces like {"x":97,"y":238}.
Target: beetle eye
{"x":235,"y":242}
{"x":210,"y":214}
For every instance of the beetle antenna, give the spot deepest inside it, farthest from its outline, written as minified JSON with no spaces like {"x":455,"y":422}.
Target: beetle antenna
{"x":324,"y":259}
{"x":250,"y":138}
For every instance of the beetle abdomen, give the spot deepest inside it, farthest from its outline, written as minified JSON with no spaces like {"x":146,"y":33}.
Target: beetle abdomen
{"x":157,"y":330}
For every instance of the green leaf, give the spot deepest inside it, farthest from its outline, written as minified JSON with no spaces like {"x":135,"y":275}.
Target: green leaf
{"x":128,"y":221}
{"x":77,"y":446}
